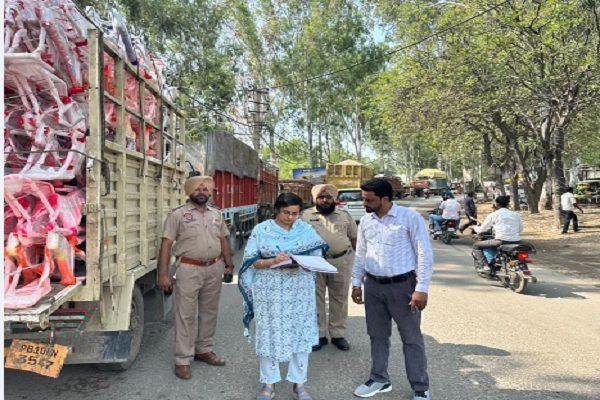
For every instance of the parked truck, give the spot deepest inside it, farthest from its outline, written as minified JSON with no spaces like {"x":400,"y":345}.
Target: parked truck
{"x":129,"y":192}
{"x":347,"y":174}
{"x":301,"y":187}
{"x":268,"y":181}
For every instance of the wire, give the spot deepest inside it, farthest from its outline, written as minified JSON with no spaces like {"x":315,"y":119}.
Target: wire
{"x":436,"y":33}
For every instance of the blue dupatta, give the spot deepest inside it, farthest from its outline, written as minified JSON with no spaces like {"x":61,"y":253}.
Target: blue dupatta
{"x":268,"y":239}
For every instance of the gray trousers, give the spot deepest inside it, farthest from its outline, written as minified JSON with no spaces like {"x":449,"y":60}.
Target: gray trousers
{"x":484,"y":244}
{"x":384,"y":302}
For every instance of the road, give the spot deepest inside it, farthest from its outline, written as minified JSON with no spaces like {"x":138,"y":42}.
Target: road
{"x":483,"y":342}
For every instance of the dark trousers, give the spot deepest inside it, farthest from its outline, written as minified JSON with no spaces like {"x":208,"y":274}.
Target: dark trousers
{"x":384,"y":302}
{"x":570,"y":215}
{"x":470,"y":221}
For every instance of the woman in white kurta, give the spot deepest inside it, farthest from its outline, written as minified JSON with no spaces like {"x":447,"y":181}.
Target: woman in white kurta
{"x":283,"y":299}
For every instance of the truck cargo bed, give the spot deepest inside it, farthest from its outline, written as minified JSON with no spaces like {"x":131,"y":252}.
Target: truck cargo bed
{"x":38,"y":314}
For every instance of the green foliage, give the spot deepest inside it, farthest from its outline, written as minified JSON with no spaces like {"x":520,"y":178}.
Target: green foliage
{"x":521,"y":76}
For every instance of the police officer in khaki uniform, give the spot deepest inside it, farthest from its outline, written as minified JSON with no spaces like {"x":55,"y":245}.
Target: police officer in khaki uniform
{"x":202,"y":256}
{"x":339,"y":230}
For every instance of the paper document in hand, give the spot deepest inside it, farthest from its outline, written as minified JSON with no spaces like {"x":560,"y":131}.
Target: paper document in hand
{"x":311,"y":263}
{"x":281,"y":264}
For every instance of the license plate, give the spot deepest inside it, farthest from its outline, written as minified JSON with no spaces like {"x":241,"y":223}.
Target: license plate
{"x":451,"y":230}
{"x":41,"y":358}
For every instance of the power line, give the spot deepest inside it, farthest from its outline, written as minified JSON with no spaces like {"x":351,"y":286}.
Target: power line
{"x":436,"y":33}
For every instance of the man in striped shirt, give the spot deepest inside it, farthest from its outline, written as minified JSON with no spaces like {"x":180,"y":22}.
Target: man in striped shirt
{"x":395,"y":261}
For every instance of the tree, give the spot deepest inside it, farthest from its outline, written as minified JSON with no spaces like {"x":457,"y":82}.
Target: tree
{"x":517,"y":77}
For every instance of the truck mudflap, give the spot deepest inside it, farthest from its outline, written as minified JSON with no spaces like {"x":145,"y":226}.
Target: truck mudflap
{"x":101,"y":347}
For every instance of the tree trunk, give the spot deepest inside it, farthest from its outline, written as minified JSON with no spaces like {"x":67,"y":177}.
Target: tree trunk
{"x":546,"y":198}
{"x":309,"y":131}
{"x":558,"y":172}
{"x":256,"y":120}
{"x":327,"y":144}
{"x":515,"y":191}
{"x":320,"y":141}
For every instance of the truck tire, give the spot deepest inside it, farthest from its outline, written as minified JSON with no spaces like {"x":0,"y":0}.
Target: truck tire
{"x":136,"y":326}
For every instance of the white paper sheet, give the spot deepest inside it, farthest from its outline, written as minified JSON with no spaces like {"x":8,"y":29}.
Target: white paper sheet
{"x":311,"y":263}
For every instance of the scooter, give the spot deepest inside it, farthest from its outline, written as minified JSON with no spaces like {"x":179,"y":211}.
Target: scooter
{"x":509,"y":263}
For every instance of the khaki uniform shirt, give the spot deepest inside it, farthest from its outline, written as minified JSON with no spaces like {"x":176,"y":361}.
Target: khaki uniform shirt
{"x":196,"y":234}
{"x":337,"y":228}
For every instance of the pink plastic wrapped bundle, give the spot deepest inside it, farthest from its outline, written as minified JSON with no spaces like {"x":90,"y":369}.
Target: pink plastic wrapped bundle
{"x":30,"y":293}
{"x":51,"y":120}
{"x":35,"y":205}
{"x":68,"y":58}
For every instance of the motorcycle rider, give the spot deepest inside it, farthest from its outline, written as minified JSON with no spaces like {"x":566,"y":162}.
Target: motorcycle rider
{"x":507,"y":226}
{"x":450,"y":210}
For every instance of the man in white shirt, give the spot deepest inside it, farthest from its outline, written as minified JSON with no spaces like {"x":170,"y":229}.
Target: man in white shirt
{"x":395,"y":260}
{"x":450,"y":210}
{"x":567,"y":206}
{"x":507,"y":226}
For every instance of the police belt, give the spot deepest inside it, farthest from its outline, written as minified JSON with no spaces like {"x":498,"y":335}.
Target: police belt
{"x":199,"y":263}
{"x":391,"y":279}
{"x":338,"y":255}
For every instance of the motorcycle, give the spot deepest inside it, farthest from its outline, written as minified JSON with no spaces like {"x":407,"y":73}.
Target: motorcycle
{"x":447,"y":233}
{"x":509,"y":263}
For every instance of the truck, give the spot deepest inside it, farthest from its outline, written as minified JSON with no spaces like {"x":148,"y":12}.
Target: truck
{"x":437,"y":180}
{"x":301,"y":187}
{"x":129,"y":192}
{"x":347,"y":174}
{"x":235,"y":168}
{"x":398,"y":187}
{"x":268,"y":181}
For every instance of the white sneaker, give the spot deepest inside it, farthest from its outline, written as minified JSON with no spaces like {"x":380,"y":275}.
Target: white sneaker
{"x":422,"y":395}
{"x":370,"y":388}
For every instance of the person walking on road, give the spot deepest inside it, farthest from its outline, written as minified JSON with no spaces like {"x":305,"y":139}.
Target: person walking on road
{"x":282,"y":299}
{"x":470,"y":211}
{"x":339,"y":230}
{"x":395,"y":260}
{"x":198,"y":237}
{"x":568,"y":203}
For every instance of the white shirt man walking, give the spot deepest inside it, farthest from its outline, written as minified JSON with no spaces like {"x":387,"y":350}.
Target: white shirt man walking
{"x":568,"y":203}
{"x":395,"y":260}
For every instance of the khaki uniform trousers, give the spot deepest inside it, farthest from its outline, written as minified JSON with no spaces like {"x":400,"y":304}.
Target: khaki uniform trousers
{"x":196,"y":305}
{"x":337,"y":286}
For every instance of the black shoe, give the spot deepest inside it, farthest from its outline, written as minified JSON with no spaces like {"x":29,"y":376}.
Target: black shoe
{"x":340,"y":343}
{"x":322,"y":342}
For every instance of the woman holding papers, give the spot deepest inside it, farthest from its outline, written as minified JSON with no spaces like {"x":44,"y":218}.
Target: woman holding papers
{"x":282,"y":299}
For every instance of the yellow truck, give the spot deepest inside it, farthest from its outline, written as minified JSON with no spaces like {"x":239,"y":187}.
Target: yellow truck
{"x":128,"y":195}
{"x":347,"y":174}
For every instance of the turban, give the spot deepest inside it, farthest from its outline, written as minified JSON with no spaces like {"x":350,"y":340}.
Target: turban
{"x":195,"y":181}
{"x":324,"y":189}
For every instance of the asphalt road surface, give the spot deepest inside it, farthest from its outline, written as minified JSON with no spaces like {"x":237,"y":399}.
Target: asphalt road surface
{"x":483,"y":342}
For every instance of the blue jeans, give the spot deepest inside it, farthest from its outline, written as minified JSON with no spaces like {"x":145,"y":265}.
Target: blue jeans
{"x":297,"y":369}
{"x":437,"y":220}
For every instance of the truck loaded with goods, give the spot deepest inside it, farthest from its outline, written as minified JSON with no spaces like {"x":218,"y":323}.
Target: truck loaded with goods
{"x":434,"y":179}
{"x":94,"y":161}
